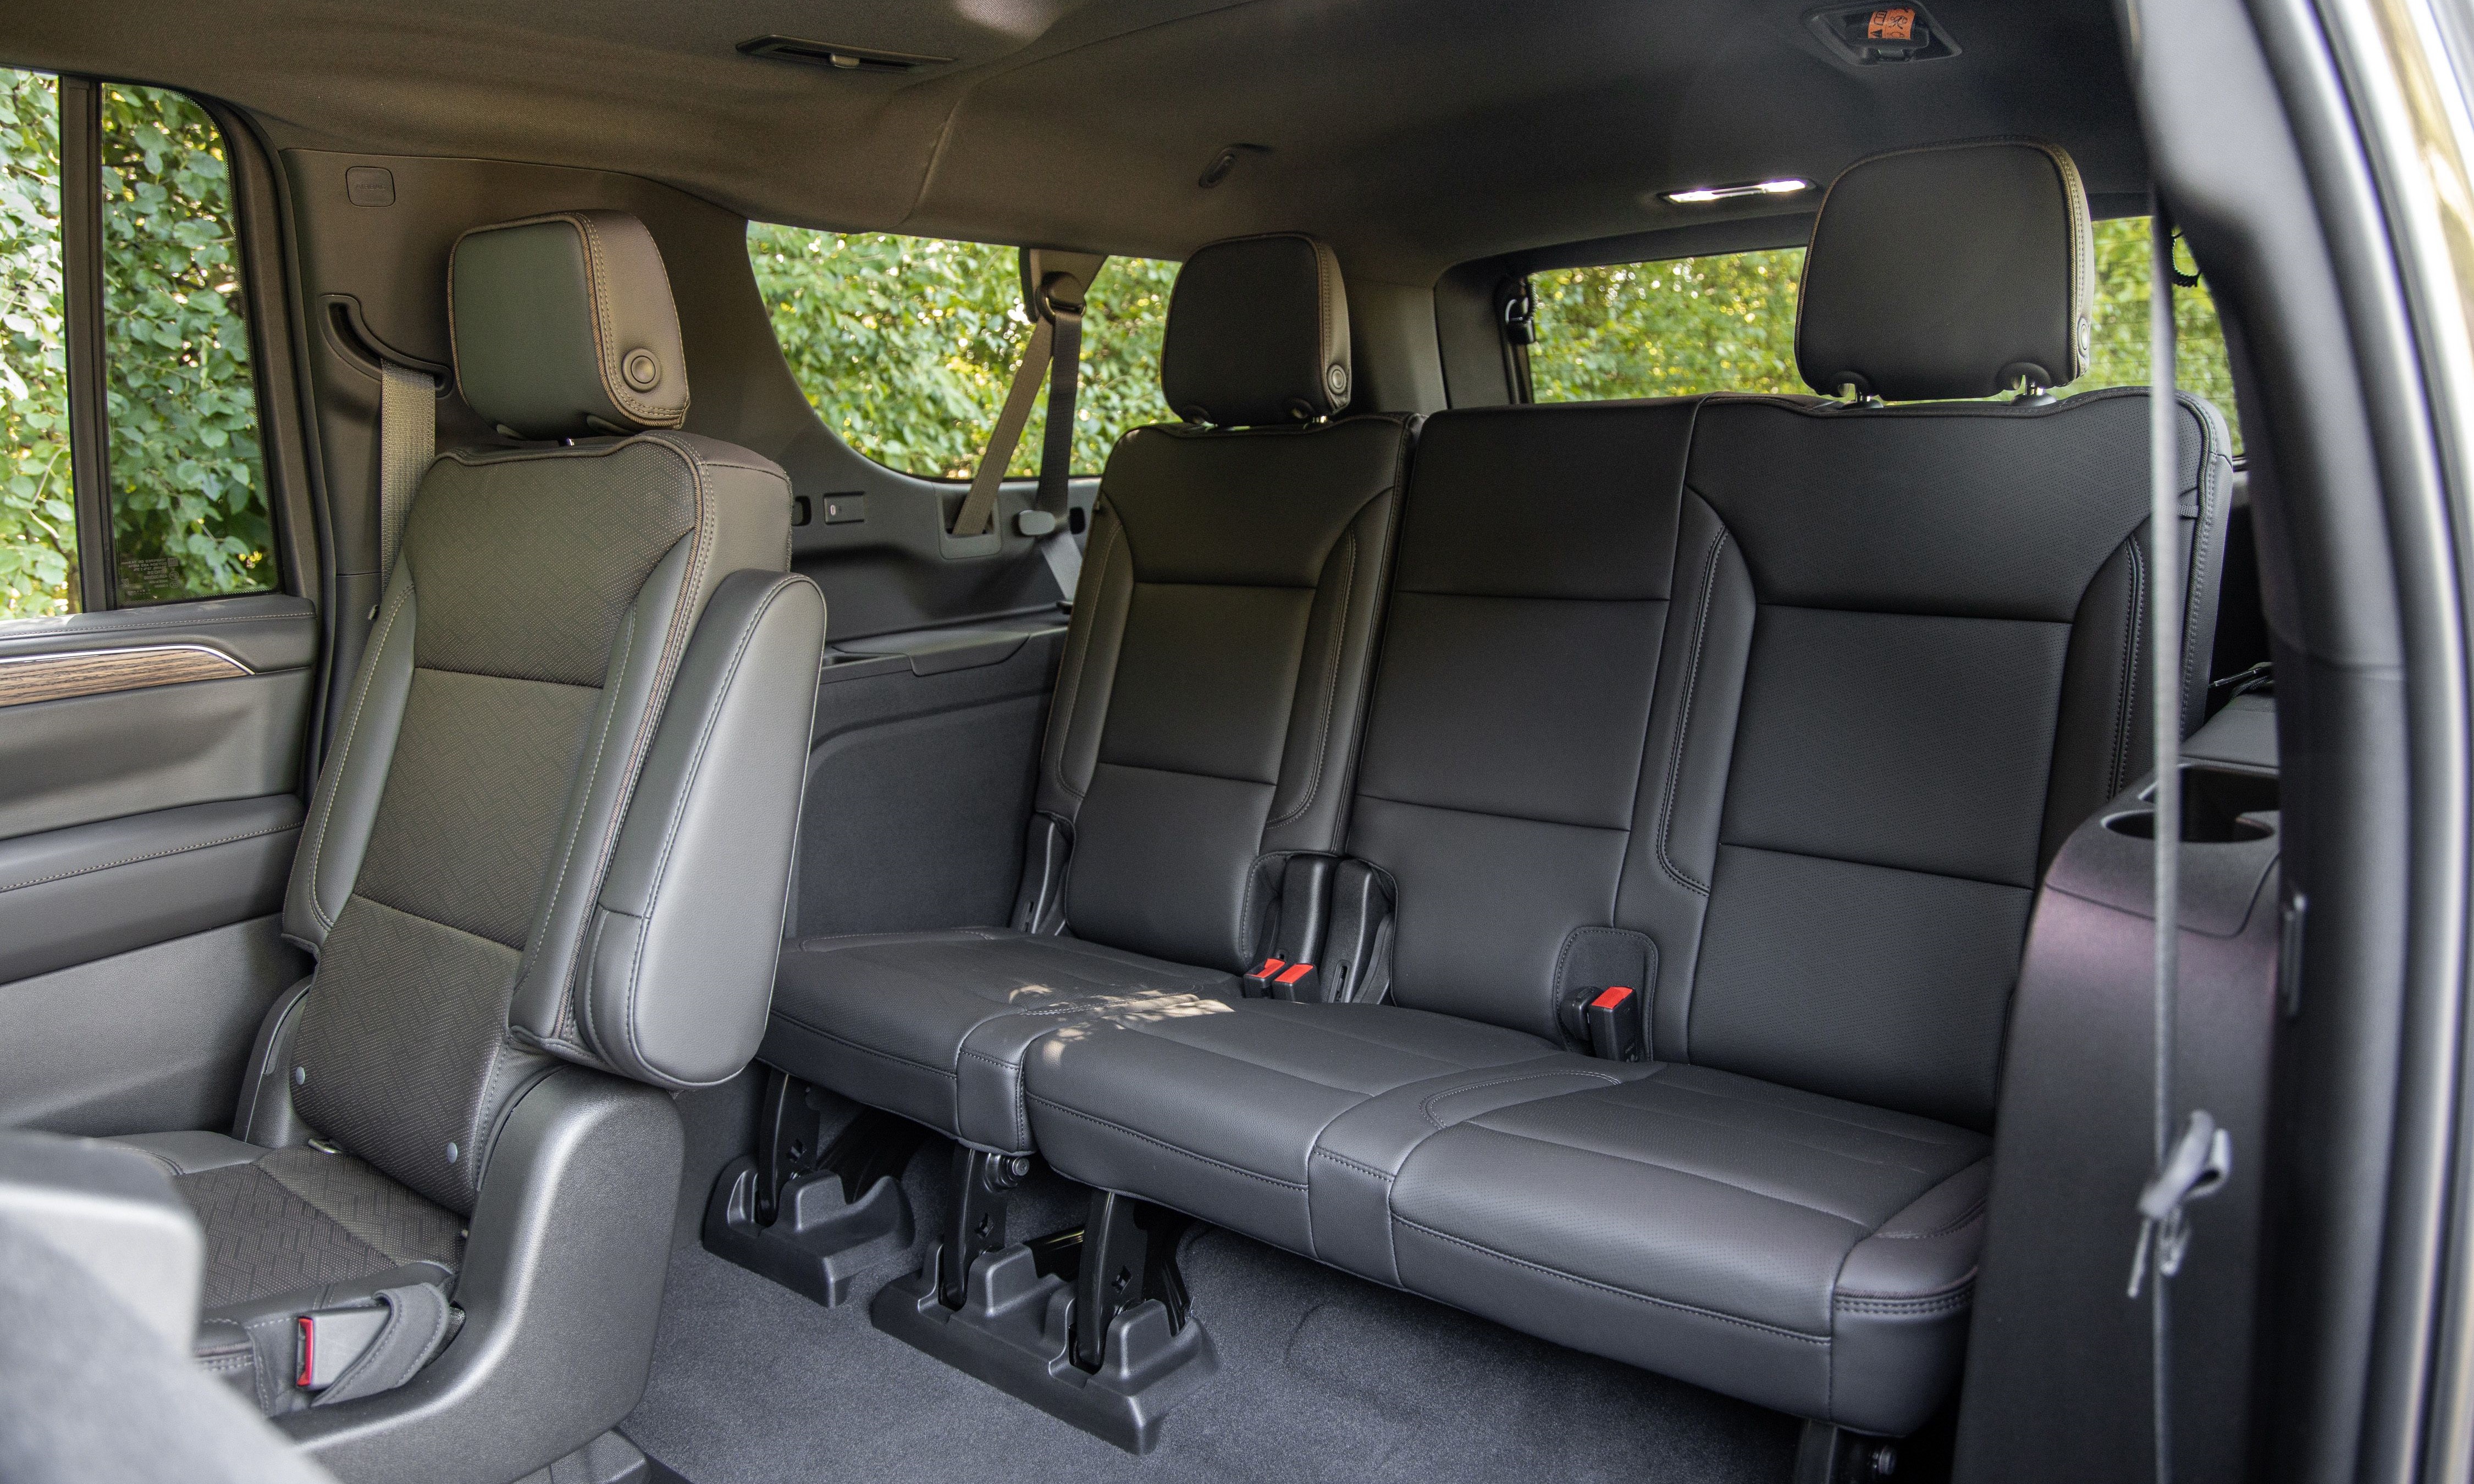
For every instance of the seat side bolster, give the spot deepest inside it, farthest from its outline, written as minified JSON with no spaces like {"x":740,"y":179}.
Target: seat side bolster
{"x":1309,"y":808}
{"x":1089,"y":671}
{"x":1899,"y":1310}
{"x":682,"y":949}
{"x":345,"y":807}
{"x":742,"y":520}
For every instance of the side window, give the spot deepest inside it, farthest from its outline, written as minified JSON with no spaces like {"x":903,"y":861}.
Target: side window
{"x":1726,"y":322}
{"x":906,"y":345}
{"x":37,"y":511}
{"x":175,"y":502}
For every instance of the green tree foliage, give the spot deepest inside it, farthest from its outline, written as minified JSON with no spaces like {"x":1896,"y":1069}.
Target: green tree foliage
{"x":1728,"y":323}
{"x":189,"y":508}
{"x":37,"y":539}
{"x":906,"y":345}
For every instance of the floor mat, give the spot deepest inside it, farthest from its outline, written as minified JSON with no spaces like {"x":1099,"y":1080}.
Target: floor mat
{"x":1322,"y":1378}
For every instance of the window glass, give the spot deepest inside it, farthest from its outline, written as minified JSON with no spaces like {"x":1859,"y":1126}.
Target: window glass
{"x":1726,"y":322}
{"x":38,"y":520}
{"x":188,"y":488}
{"x":906,"y":345}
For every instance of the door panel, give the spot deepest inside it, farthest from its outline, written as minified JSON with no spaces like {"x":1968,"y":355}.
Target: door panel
{"x":92,"y":891}
{"x":145,"y":1041}
{"x":149,"y":746}
{"x":151,"y":783}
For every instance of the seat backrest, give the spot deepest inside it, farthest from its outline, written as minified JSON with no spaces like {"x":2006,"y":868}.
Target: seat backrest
{"x":1879,"y":659}
{"x":1915,"y":634}
{"x":557,"y":823}
{"x":1207,"y":707}
{"x":1503,"y":752}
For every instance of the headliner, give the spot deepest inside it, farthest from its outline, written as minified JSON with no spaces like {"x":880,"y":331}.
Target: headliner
{"x":1411,"y":134}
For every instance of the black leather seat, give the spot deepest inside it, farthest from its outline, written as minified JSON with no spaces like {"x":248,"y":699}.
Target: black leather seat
{"x":543,"y":871}
{"x":1204,"y":726}
{"x":1771,"y":709}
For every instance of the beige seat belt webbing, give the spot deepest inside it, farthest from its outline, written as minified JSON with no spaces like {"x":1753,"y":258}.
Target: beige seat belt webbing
{"x":980,"y":507}
{"x":407,"y":440}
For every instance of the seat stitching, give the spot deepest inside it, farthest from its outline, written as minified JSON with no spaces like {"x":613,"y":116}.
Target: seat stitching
{"x":1492,"y":814}
{"x":1969,"y":1217}
{"x":2125,"y":705}
{"x":1331,"y":691}
{"x":1695,"y":1175}
{"x":1940,"y":1303}
{"x":1684,"y":721}
{"x":949,"y":1073}
{"x":1426,"y":1108}
{"x":344,"y":754}
{"x":746,"y":638}
{"x":1716,"y":1095}
{"x":131,"y":860}
{"x":704,"y":536}
{"x":1337,"y":1158}
{"x":1839,"y":1156}
{"x":1874,"y":865}
{"x":1082,"y":660}
{"x":1448,"y":1065}
{"x":592,"y":771}
{"x":1136,"y":1133}
{"x":1609,"y":1288}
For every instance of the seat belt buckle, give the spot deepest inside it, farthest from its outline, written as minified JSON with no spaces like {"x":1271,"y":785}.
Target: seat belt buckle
{"x":1258,"y":980}
{"x":1295,"y":982}
{"x":332,"y":1339}
{"x":1614,"y":1024}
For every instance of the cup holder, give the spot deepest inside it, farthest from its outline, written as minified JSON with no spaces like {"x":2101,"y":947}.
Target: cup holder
{"x":2220,"y":806}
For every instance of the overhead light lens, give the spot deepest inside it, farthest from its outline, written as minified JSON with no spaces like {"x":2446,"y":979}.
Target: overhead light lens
{"x":1703,"y":195}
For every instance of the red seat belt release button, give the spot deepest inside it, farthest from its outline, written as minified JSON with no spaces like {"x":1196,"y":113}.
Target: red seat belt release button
{"x":1614,"y":1016}
{"x":308,"y":1350}
{"x":1295,"y":982}
{"x":1258,"y":980}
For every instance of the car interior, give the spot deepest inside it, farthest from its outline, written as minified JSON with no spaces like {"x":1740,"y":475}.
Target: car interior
{"x":1030,"y":739}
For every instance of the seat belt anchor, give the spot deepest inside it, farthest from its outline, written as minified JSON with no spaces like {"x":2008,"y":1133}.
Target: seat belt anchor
{"x":2198,"y":1167}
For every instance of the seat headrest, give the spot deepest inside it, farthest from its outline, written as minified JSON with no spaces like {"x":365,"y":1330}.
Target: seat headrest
{"x":563,"y":326}
{"x":1257,"y":334}
{"x":1954,"y":270}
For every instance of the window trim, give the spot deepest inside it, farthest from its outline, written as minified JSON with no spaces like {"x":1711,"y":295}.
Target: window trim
{"x":81,"y":126}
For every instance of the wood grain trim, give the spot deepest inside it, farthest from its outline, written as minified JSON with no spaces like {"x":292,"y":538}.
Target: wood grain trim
{"x":94,"y":672}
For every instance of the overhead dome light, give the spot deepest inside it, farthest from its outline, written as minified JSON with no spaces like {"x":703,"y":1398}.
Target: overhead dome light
{"x":1703,"y":195}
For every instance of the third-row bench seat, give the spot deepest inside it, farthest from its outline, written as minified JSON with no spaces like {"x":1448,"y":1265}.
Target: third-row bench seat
{"x":1771,"y":709}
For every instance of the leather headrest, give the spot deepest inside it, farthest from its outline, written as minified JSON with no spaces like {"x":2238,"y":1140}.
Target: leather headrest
{"x":1257,"y":334}
{"x":563,"y":326}
{"x":1956,"y":270}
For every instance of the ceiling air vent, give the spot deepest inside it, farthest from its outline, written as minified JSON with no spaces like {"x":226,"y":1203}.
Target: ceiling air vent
{"x":1869,"y":35}
{"x":840,"y":58}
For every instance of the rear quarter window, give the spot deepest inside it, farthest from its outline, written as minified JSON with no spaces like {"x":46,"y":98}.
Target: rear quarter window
{"x":905,"y":346}
{"x":1726,"y":322}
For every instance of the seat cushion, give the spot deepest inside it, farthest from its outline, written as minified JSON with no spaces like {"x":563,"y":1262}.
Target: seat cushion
{"x":1217,"y":1108}
{"x":1812,"y":1254}
{"x":302,"y":1218}
{"x":935,"y":1025}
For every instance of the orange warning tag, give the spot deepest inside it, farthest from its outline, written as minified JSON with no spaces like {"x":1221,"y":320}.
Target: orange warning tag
{"x":1895,"y":23}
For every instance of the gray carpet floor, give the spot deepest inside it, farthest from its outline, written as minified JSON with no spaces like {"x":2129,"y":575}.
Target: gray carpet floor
{"x":1322,"y":1378}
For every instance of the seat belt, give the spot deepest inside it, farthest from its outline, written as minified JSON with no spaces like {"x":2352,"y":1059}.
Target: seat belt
{"x":407,"y":440}
{"x":2196,"y":1164}
{"x":1054,"y":356}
